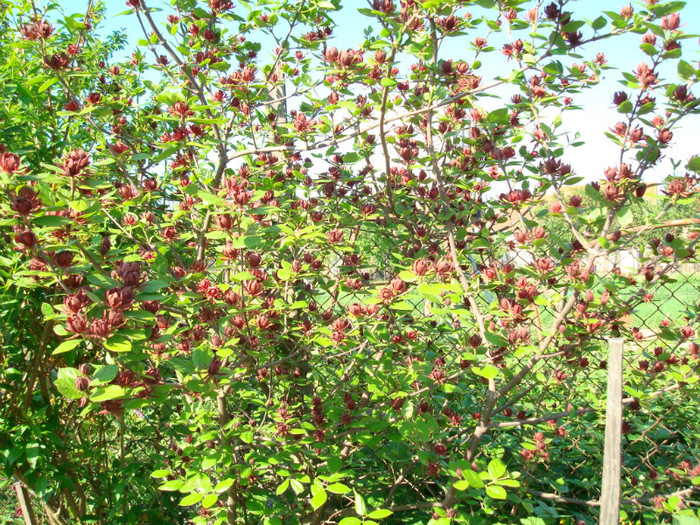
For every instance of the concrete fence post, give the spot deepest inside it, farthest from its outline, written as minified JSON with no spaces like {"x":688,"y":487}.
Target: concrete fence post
{"x":612,"y":455}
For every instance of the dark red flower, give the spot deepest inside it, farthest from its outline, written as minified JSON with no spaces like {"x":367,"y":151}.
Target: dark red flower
{"x":57,"y":61}
{"x":75,"y":162}
{"x":26,"y":238}
{"x":9,"y":162}
{"x":63,"y":259}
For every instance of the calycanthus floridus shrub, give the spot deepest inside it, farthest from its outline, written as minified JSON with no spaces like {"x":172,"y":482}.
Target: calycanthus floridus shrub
{"x":227,"y":302}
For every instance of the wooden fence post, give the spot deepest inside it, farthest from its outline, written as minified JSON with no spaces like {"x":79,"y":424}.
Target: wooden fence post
{"x":612,"y":456}
{"x":25,"y":505}
{"x":276,"y":91}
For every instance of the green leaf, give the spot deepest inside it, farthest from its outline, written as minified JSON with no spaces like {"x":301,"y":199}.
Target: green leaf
{"x":133,"y":334}
{"x":499,"y":116}
{"x":101,"y":280}
{"x":351,"y":157}
{"x":496,"y":492}
{"x":282,"y":487}
{"x":201,"y":13}
{"x":679,"y":519}
{"x":379,"y":514}
{"x":462,"y":484}
{"x":496,"y":468}
{"x":15,"y":453}
{"x":489,"y":372}
{"x":66,"y":346}
{"x":574,"y":26}
{"x":473,"y":478}
{"x":599,"y":23}
{"x":160,"y":474}
{"x":554,"y":68}
{"x":350,"y":520}
{"x":47,"y":84}
{"x":334,"y":464}
{"x":496,"y":339}
{"x":693,"y":165}
{"x":508,"y":483}
{"x":667,"y":8}
{"x":252,"y":241}
{"x":648,"y":49}
{"x":171,"y":486}
{"x":65,"y":383}
{"x":201,"y":357}
{"x":297,"y":486}
{"x":625,"y":107}
{"x":338,"y":488}
{"x":685,"y":70}
{"x":141,"y":315}
{"x":318,"y":496}
{"x":430,"y":292}
{"x":47,"y":310}
{"x":625,"y":216}
{"x":118,"y":343}
{"x":388,"y":82}
{"x":154,"y":286}
{"x":33,"y":453}
{"x":360,"y":506}
{"x":493,"y":25}
{"x":541,"y":300}
{"x":191,"y":499}
{"x":532,"y":521}
{"x":209,"y":500}
{"x":210,"y":198}
{"x":208,"y":463}
{"x":105,"y":393}
{"x":223,"y":485}
{"x":51,"y":221}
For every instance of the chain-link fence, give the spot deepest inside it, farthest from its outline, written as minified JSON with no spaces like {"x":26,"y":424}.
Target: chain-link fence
{"x":552,"y":424}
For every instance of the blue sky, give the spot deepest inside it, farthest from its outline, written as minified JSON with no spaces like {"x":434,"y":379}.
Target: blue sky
{"x":622,"y":53}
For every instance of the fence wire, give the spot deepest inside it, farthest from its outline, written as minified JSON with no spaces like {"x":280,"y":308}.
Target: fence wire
{"x":559,"y":410}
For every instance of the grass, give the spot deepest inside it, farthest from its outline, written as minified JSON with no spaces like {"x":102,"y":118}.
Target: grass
{"x":670,"y":301}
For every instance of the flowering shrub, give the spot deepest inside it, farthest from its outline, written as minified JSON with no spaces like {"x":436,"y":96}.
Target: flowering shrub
{"x":228,"y":302}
